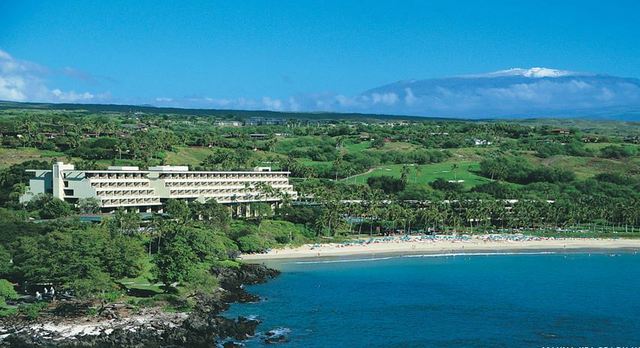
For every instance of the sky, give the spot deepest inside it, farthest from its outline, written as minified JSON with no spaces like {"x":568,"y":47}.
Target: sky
{"x":288,"y":55}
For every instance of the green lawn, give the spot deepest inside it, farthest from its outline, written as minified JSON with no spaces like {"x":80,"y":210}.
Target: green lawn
{"x":399,"y":146}
{"x":357,"y":147}
{"x":597,"y":146}
{"x":188,"y":156}
{"x":390,"y":146}
{"x":586,"y":167}
{"x":312,"y":163}
{"x":427,"y":173}
{"x":19,"y":155}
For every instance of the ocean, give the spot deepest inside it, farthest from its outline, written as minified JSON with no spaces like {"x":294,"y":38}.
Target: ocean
{"x":475,"y":300}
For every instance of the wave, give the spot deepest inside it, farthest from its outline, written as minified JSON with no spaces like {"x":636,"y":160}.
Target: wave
{"x":484,"y":254}
{"x":346,"y":260}
{"x":426,"y":255}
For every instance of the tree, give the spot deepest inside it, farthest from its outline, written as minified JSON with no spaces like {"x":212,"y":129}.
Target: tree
{"x":123,"y":257}
{"x":404,"y":176}
{"x":444,"y":185}
{"x":123,"y":222}
{"x":176,"y":260}
{"x":89,"y":205}
{"x":617,"y":152}
{"x":215,"y":214}
{"x":261,"y":210}
{"x":377,"y":143}
{"x":185,"y":248}
{"x":84,"y":259}
{"x":55,"y":208}
{"x":178,"y":209}
{"x":7,"y":292}
{"x":386,"y":183}
{"x":5,"y":261}
{"x":493,"y":168}
{"x":253,"y":243}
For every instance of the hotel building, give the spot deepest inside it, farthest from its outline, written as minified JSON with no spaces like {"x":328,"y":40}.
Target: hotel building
{"x":147,"y":190}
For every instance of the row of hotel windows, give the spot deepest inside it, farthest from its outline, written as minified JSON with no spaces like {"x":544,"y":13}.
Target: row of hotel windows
{"x":185,"y":175}
{"x":223,"y":196}
{"x":224,"y":183}
{"x":125,"y":192}
{"x":197,"y":192}
{"x":120,"y":184}
{"x":116,"y":176}
{"x":209,"y":192}
{"x":129,"y":201}
{"x":200,"y":176}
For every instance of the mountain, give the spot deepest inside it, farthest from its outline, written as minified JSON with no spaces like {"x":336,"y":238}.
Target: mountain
{"x":534,"y":92}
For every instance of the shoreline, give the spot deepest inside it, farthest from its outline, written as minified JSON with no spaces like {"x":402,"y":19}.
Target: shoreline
{"x":125,"y":325}
{"x":445,"y":246}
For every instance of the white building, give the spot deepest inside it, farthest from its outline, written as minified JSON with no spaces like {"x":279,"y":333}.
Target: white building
{"x":147,"y":190}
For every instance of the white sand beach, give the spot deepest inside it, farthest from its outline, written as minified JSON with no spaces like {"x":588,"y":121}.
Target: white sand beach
{"x":444,"y":245}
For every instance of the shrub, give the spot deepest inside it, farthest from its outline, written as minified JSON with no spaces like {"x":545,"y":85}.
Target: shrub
{"x":386,"y":183}
{"x":253,"y":243}
{"x":7,"y":292}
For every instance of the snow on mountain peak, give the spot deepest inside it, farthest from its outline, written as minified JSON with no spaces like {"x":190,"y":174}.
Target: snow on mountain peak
{"x":531,"y":72}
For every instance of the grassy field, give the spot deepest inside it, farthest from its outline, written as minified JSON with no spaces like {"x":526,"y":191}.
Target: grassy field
{"x":311,"y":163}
{"x":188,"y":156}
{"x":586,"y":167}
{"x":424,"y":174}
{"x":356,"y":147}
{"x":391,"y":146}
{"x":13,"y":156}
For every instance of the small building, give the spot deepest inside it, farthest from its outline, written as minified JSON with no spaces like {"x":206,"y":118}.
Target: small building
{"x":258,"y":136}
{"x":560,"y":131}
{"x":262,"y":121}
{"x":481,"y":142}
{"x":228,"y":123}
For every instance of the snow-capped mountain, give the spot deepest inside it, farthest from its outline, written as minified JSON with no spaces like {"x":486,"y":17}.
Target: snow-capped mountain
{"x":516,"y":92}
{"x":531,"y":72}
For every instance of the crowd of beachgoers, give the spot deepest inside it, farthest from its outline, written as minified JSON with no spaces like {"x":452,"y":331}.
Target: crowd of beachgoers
{"x":446,"y":244}
{"x":438,"y":238}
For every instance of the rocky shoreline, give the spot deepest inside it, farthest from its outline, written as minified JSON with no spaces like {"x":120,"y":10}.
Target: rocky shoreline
{"x":204,"y":326}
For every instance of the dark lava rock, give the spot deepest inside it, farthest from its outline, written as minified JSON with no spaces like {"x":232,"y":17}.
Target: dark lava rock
{"x":204,"y":327}
{"x":276,"y":335}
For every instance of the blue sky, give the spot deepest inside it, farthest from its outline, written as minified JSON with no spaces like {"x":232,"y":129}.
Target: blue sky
{"x":268,"y":54}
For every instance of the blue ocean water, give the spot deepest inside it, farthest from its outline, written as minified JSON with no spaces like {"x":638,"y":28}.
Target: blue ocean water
{"x":520,"y":300}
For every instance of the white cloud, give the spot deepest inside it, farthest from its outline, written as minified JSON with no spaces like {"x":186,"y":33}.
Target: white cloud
{"x":272,"y":104}
{"x":531,"y":72}
{"x":25,"y":81}
{"x":562,"y":95}
{"x":71,"y":96}
{"x":409,"y":98}
{"x":384,"y":98}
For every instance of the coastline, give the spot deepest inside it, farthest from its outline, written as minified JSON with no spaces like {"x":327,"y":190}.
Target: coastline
{"x":123,"y":325}
{"x":417,"y":245}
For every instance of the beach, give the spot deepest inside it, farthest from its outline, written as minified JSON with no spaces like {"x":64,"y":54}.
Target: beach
{"x":444,"y":245}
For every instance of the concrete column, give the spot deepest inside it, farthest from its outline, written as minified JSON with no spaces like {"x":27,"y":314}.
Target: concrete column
{"x":58,"y":178}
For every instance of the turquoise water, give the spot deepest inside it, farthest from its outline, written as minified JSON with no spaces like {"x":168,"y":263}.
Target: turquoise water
{"x":519,"y":300}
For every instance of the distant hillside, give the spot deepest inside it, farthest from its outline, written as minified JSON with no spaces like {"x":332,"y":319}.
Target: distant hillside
{"x":149,"y":109}
{"x":535,"y":92}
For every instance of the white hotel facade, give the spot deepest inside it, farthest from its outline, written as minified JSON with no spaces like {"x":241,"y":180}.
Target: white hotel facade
{"x":147,"y":190}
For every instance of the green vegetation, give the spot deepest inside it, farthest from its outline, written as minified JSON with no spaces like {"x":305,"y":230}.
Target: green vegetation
{"x":355,"y":174}
{"x":467,"y":172}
